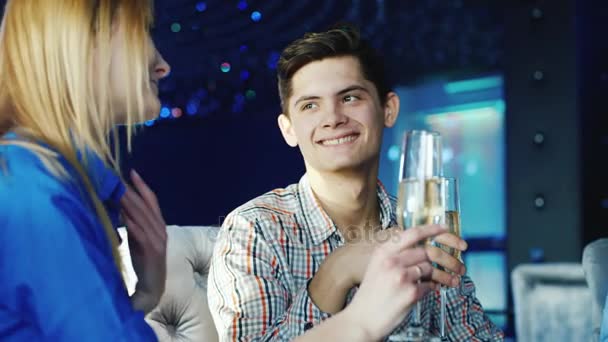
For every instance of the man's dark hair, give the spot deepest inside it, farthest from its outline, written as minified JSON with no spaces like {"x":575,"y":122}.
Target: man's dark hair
{"x":341,"y":40}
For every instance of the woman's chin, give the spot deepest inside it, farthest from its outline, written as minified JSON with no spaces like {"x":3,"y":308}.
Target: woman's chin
{"x":152,"y":110}
{"x":151,"y":114}
{"x":121,"y":119}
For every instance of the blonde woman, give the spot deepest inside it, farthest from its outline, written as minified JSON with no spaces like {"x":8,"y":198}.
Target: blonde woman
{"x":69,"y":71}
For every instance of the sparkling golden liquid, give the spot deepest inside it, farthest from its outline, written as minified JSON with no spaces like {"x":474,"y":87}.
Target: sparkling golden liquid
{"x":419,"y":203}
{"x":452,"y":221}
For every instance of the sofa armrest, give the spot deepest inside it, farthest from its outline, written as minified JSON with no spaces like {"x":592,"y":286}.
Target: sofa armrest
{"x":551,"y":302}
{"x":595,"y":267}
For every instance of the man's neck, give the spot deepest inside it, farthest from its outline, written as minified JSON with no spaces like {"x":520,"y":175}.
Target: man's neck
{"x":350,"y":199}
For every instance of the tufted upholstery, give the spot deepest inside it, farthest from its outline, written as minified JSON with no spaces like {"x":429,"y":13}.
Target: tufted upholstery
{"x":595,"y":265}
{"x":551,"y":303}
{"x":183,"y":313}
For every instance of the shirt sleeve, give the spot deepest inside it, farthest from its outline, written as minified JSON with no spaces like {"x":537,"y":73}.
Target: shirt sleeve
{"x":466,"y":320}
{"x":247,"y":298}
{"x":58,"y":281}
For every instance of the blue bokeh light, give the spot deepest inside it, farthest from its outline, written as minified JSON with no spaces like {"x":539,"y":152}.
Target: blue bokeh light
{"x":165,"y":112}
{"x":273,"y":59}
{"x":201,"y":6}
{"x":239,"y":98}
{"x":256,"y":16}
{"x":393,"y":153}
{"x":176,"y":27}
{"x":192,"y":106}
{"x":225,"y":67}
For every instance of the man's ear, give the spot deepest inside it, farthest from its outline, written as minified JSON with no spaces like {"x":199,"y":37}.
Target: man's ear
{"x":391,"y":109}
{"x":287,"y":130}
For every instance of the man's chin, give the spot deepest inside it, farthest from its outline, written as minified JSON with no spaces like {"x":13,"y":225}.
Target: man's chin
{"x":346,"y":165}
{"x":340,"y":167}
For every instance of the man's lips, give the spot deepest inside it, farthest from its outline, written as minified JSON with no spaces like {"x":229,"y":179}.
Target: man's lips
{"x":339,"y":139}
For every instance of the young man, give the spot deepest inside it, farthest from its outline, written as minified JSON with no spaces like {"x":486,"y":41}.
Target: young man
{"x":291,"y":258}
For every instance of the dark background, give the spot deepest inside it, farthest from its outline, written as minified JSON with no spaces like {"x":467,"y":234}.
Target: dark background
{"x":227,"y":148}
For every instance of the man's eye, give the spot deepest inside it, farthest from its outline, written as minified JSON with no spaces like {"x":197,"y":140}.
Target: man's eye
{"x":309,"y":106}
{"x":350,"y":98}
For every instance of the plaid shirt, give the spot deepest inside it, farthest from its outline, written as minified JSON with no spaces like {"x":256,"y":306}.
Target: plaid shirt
{"x":269,"y":249}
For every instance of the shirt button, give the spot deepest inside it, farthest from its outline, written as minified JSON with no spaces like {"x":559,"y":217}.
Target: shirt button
{"x":308,"y":326}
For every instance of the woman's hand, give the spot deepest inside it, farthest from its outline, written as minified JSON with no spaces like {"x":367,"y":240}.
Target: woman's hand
{"x":147,"y":233}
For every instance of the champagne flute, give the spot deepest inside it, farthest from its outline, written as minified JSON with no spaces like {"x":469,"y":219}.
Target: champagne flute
{"x":420,"y":155}
{"x":420,"y":198}
{"x":452,"y":222}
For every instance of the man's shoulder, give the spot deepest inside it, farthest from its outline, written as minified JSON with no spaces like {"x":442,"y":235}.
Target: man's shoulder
{"x":278,"y":204}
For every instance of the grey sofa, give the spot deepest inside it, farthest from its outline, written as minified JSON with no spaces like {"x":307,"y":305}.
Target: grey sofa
{"x":561,"y":301}
{"x":183,"y":312}
{"x":552,"y":303}
{"x":595,"y":266}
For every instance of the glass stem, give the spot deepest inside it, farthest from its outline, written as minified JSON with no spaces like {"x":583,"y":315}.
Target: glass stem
{"x":443,"y":303}
{"x":417,"y":317}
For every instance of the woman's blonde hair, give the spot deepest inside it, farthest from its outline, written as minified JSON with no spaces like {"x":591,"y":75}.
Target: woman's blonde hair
{"x":55,"y":80}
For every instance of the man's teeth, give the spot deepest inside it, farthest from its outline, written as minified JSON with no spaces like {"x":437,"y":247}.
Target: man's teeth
{"x":340,"y":140}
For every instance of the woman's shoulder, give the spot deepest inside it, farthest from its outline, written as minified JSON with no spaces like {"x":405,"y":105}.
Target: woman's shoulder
{"x":36,"y":203}
{"x":25,"y":167}
{"x":26,"y":178}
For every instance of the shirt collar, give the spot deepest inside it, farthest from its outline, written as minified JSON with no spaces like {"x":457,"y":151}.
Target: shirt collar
{"x":318,"y":223}
{"x":108,"y":186}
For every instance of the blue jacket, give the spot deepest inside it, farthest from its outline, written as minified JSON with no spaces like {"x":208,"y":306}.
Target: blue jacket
{"x":58,"y":280}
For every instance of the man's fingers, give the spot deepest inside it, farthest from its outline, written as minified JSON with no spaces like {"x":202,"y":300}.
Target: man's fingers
{"x":419,"y":272}
{"x":445,"y":278}
{"x":422,"y":289}
{"x":444,"y":259}
{"x":412,"y":236}
{"x":426,"y":271}
{"x":451,"y":240}
{"x":411,"y":256}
